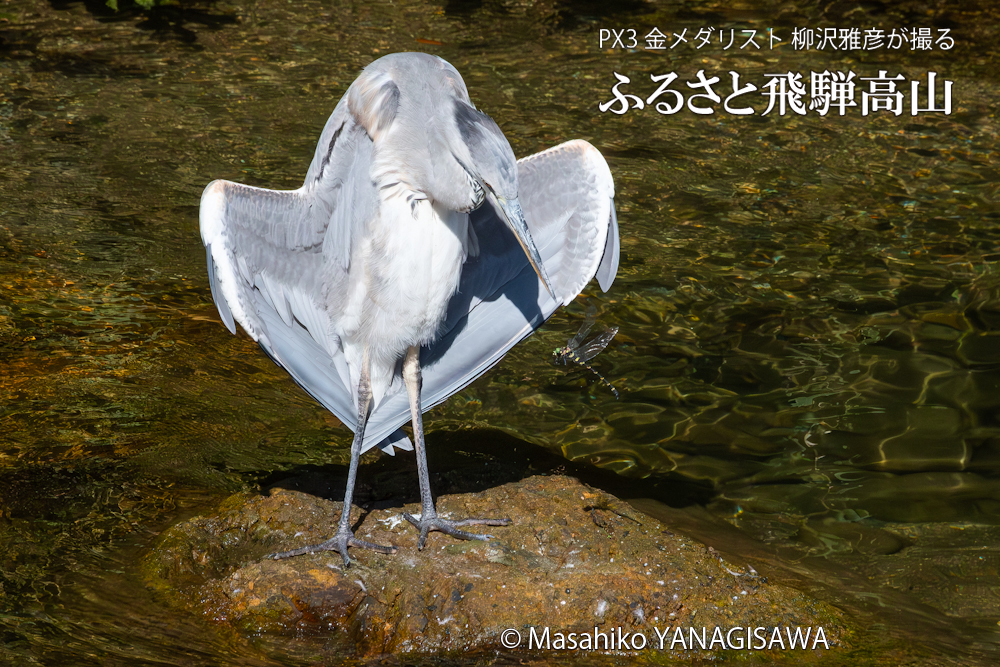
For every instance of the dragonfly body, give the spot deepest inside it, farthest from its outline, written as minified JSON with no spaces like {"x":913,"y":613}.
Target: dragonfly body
{"x":581,"y":353}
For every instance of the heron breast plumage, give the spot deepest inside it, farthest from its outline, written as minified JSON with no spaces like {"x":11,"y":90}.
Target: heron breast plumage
{"x":405,"y":294}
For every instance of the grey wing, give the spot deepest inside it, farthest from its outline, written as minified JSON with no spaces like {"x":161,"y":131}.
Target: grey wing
{"x":274,"y":256}
{"x":567,"y":195}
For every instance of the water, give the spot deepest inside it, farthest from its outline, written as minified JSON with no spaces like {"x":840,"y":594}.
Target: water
{"x":808,"y":306}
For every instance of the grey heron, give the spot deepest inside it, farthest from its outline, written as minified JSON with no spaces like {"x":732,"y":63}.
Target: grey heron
{"x":417,"y":252}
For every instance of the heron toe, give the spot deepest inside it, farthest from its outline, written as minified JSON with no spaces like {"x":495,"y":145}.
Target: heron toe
{"x":433,"y":522}
{"x":339,"y":543}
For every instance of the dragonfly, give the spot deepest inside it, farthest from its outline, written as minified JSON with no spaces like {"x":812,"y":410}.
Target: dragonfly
{"x":580,"y":352}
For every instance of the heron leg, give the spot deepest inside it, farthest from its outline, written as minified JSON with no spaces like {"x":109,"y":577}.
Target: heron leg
{"x":344,"y":537}
{"x":429,"y":520}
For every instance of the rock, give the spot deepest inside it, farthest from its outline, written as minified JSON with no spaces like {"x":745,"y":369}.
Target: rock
{"x":576,"y":560}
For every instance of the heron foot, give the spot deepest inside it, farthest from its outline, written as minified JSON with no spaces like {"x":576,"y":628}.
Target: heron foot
{"x":428,"y":522}
{"x":338,"y":543}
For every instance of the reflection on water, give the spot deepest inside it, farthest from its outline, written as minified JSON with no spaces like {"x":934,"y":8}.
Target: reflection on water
{"x":809,"y":307}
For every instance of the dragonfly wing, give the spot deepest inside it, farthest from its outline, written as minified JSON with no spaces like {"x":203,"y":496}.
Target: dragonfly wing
{"x":594,"y":346}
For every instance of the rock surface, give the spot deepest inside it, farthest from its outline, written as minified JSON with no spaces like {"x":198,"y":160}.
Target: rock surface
{"x":576,"y":559}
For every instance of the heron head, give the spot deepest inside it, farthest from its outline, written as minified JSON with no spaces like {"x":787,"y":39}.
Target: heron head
{"x":416,"y":109}
{"x":487,"y":159}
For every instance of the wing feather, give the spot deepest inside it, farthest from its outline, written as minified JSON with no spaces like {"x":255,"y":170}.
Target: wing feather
{"x":608,"y":268}
{"x":221,"y":303}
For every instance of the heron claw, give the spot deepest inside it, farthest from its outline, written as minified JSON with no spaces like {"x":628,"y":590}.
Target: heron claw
{"x":428,"y":523}
{"x":339,"y":543}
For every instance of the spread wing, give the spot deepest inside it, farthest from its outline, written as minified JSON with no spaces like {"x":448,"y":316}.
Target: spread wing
{"x":595,"y":346}
{"x":275,"y":259}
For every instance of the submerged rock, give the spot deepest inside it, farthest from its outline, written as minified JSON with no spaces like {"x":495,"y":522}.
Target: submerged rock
{"x":576,"y":560}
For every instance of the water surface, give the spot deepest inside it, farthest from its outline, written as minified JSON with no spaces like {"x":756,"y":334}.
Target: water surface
{"x":809,"y":307}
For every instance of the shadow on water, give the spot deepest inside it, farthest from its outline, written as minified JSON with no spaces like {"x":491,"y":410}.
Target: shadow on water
{"x":469,"y":462}
{"x":178,"y":19}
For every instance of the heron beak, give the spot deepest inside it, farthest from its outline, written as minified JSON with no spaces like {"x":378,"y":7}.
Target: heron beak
{"x":512,"y":215}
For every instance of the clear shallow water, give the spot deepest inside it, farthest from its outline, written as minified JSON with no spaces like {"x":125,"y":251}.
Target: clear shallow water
{"x":809,"y":306}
